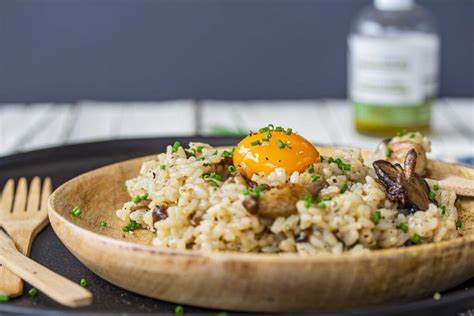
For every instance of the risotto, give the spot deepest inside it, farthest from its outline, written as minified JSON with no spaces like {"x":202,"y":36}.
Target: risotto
{"x":207,"y":198}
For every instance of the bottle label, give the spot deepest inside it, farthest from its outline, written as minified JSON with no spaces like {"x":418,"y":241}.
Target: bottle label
{"x":393,"y":71}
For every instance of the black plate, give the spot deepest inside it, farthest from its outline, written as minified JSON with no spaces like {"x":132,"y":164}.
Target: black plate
{"x":66,"y":162}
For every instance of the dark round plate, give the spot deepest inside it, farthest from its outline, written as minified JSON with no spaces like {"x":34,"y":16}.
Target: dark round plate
{"x":66,"y":162}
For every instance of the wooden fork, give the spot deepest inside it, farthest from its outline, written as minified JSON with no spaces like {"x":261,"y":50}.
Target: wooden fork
{"x":22,"y":215}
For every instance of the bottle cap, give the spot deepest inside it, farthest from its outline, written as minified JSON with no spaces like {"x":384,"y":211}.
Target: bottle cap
{"x":394,"y":5}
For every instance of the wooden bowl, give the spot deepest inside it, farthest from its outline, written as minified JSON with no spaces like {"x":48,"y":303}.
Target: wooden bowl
{"x":250,"y":282}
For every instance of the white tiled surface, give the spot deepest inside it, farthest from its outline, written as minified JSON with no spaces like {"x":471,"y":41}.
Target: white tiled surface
{"x":26,"y":127}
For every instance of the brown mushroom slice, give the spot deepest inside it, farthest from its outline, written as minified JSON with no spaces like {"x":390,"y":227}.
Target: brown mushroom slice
{"x":141,"y":205}
{"x":403,"y":185}
{"x":315,"y":187}
{"x":159,"y":213}
{"x":281,"y":200}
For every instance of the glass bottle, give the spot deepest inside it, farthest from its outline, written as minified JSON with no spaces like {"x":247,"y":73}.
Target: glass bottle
{"x":393,"y":63}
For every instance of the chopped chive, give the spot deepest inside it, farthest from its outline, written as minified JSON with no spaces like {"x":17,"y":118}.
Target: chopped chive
{"x":258,"y":189}
{"x":344,"y":187}
{"x":163,"y":167}
{"x":388,"y":152}
{"x":311,"y":168}
{"x":213,"y":184}
{"x":32,"y":292}
{"x":263,"y":130}
{"x":199,"y":149}
{"x":321,"y":204}
{"x":137,"y":199}
{"x":222,"y":314}
{"x":376,"y":217}
{"x":436,"y":187}
{"x":271,"y":127}
{"x":315,"y":178}
{"x":331,"y":160}
{"x":280,"y":144}
{"x":403,"y":227}
{"x":432,"y":196}
{"x":131,"y":226}
{"x":231,"y":169}
{"x":255,"y":143}
{"x":103,"y":224}
{"x":228,"y":154}
{"x":76,"y":212}
{"x":278,"y":129}
{"x":246,"y":191}
{"x":307,"y":201}
{"x":176,"y":146}
{"x":321,"y":158}
{"x":412,"y":135}
{"x":4,"y":298}
{"x":443,"y":209}
{"x":289,"y":131}
{"x":179,"y":310}
{"x":265,"y":140}
{"x":327,"y":198}
{"x":145,"y":196}
{"x":458,"y":224}
{"x":83,"y":282}
{"x":268,"y":135}
{"x":415,"y":238}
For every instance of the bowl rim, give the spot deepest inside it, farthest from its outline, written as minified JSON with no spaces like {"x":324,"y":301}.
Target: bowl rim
{"x":460,"y":242}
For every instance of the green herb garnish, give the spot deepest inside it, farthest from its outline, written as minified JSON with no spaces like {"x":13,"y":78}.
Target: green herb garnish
{"x":131,"y":226}
{"x":280,"y":144}
{"x":246,"y":191}
{"x":32,"y":292}
{"x":344,"y":187}
{"x":376,"y":217}
{"x":436,"y":187}
{"x":76,"y":212}
{"x":231,"y":169}
{"x":432,"y":196}
{"x":311,"y":168}
{"x":176,"y":146}
{"x":415,"y":238}
{"x":315,"y":178}
{"x":255,"y":143}
{"x":179,"y":310}
{"x":163,"y":167}
{"x":403,"y":227}
{"x":289,"y":131}
{"x":213,"y":184}
{"x":388,"y":152}
{"x":321,"y":205}
{"x":443,"y":209}
{"x":4,"y":298}
{"x":307,"y":201}
{"x":103,"y":224}
{"x":83,"y":282}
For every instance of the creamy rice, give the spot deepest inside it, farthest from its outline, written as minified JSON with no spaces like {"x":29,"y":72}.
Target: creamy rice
{"x":213,"y":218}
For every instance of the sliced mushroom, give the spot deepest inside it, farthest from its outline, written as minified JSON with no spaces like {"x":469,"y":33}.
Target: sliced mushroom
{"x":399,"y":150}
{"x":403,"y":185}
{"x":315,"y":187}
{"x":141,"y":205}
{"x":160,"y":213}
{"x":303,"y":236}
{"x":281,"y":200}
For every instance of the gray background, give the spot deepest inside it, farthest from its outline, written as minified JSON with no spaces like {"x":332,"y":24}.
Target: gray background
{"x":68,"y":50}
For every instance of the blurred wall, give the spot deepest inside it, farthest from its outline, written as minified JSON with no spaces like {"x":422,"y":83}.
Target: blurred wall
{"x":68,"y":50}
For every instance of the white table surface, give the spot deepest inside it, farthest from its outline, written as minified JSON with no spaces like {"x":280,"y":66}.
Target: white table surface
{"x":26,"y":127}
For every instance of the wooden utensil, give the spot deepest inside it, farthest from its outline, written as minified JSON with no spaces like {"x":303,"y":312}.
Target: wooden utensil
{"x":250,"y":282}
{"x":55,"y":286}
{"x":22,"y":215}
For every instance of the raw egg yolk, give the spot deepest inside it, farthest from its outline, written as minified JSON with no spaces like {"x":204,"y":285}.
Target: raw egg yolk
{"x":259,"y":153}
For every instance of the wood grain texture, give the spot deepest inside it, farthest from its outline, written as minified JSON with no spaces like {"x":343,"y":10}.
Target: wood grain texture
{"x":250,"y":282}
{"x":23,"y":214}
{"x":55,"y":286}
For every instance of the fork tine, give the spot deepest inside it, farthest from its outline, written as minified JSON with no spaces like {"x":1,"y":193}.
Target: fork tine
{"x":47,"y":189}
{"x":20,"y":196}
{"x":34,"y":195}
{"x":7,"y":197}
